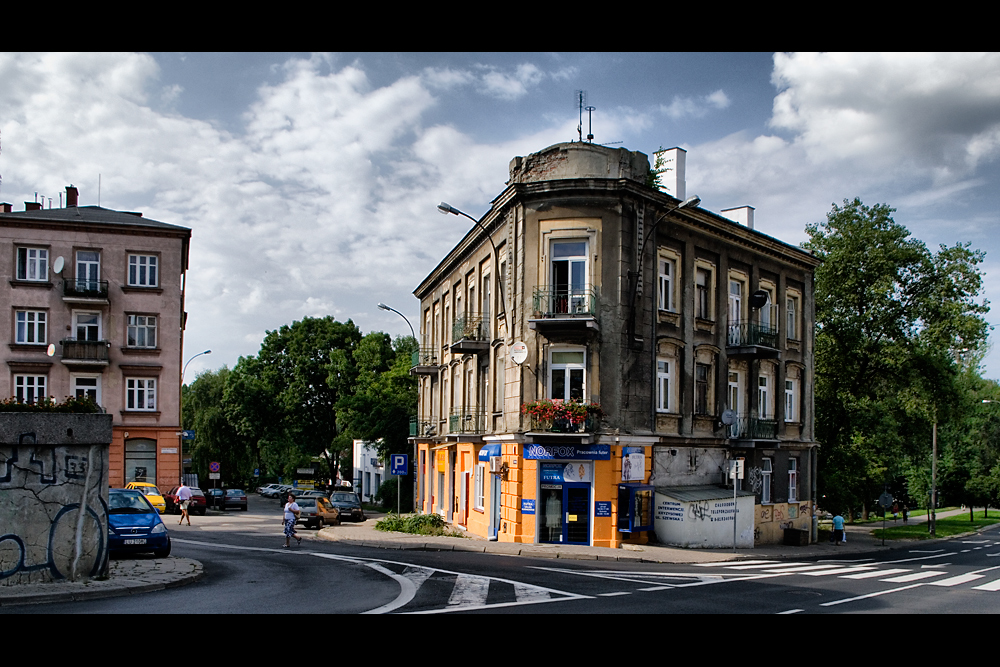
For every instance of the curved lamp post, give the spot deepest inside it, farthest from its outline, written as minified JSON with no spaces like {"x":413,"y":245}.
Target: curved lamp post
{"x":190,"y":360}
{"x":446,"y":208}
{"x":382,"y":306}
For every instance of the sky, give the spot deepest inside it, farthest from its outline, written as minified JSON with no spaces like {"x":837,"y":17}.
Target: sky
{"x":310,"y":181}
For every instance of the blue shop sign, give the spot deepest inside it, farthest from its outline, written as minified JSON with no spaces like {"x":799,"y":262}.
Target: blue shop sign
{"x":570,"y":452}
{"x":602,"y":508}
{"x":527,"y":505}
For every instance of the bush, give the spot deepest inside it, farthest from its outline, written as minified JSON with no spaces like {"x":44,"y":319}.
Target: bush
{"x":388,"y":490}
{"x":416,"y":524}
{"x":84,"y":405}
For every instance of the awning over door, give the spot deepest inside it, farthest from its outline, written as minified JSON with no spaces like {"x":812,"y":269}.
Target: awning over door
{"x":492,"y":449}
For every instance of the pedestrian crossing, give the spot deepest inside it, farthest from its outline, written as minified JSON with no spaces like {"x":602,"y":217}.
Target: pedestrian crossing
{"x":930,"y":575}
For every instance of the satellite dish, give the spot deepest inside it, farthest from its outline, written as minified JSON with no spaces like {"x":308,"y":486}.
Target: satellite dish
{"x":57,"y":265}
{"x":52,"y":347}
{"x":759,"y":299}
{"x":519,"y":352}
{"x":728,"y":418}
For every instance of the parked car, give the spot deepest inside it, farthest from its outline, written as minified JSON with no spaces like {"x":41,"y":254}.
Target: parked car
{"x":234,"y":498}
{"x":134,"y":525}
{"x":213,"y":498}
{"x":279,"y":492}
{"x":317,"y":512}
{"x":197,"y":505}
{"x":152,"y":494}
{"x":263,"y":490}
{"x":348,"y":504}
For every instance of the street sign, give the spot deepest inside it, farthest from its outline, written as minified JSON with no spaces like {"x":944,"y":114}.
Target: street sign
{"x":214,"y":475}
{"x":214,"y":466}
{"x":736,"y":469}
{"x":400,"y":464}
{"x":256,"y":472}
{"x":187,"y":435}
{"x":885,"y":500}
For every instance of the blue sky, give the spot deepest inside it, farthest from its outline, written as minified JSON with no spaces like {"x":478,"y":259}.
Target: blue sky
{"x":311,"y":180}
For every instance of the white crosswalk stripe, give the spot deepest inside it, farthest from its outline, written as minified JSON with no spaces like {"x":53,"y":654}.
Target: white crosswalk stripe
{"x":876,"y":573}
{"x":915,"y":576}
{"x":469,"y":590}
{"x":989,"y":586}
{"x":955,"y":581}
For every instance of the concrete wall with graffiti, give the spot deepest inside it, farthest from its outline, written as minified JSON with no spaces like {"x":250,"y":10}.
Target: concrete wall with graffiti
{"x":53,"y":496}
{"x":682,"y":519}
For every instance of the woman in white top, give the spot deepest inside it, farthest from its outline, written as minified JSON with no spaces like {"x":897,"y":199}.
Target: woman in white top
{"x":291,"y":516}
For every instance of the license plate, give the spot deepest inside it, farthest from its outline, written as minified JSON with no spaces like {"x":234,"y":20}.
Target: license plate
{"x":136,"y":541}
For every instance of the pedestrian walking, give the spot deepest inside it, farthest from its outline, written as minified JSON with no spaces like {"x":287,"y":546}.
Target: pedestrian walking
{"x":838,"y":530}
{"x":292,"y":513}
{"x":184,"y":502}
{"x":905,"y":511}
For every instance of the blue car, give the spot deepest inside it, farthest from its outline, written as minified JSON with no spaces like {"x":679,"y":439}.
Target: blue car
{"x":134,"y":525}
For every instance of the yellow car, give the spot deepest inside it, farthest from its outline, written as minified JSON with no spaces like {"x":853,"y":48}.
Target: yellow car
{"x":152,"y":494}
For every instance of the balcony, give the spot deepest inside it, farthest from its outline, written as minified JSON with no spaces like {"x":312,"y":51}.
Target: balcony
{"x":564,"y":309}
{"x":89,"y":353}
{"x":554,"y":416}
{"x":752,"y":339}
{"x":467,"y":421}
{"x":422,"y":427}
{"x":470,"y":334}
{"x":424,"y":361}
{"x":753,"y":428}
{"x":85,"y":291}
{"x":589,"y":425}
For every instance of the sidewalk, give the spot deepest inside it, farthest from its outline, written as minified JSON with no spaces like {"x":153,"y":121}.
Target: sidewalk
{"x":859,"y":541}
{"x":125,"y":577}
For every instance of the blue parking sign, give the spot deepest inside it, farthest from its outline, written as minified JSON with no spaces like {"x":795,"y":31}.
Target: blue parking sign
{"x":400,"y":464}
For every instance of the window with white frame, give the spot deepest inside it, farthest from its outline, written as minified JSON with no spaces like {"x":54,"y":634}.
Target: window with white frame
{"x":141,"y":331}
{"x":86,"y":386}
{"x":88,"y":270}
{"x":703,"y":293}
{"x":30,"y":327}
{"x":790,"y":402}
{"x":33,"y":264}
{"x":567,"y":374}
{"x":763,"y":396}
{"x":29,"y":388}
{"x":667,"y":273}
{"x":765,"y":488}
{"x":663,"y":385}
{"x":143,"y":271}
{"x":479,"y":487}
{"x":140,"y":394}
{"x":87,"y":325}
{"x":768,"y":313}
{"x":792,"y":316}
{"x":569,"y":275}
{"x":793,"y":480}
{"x":499,"y":375}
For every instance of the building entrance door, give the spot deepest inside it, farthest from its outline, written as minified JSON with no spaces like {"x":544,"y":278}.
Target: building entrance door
{"x":564,"y":514}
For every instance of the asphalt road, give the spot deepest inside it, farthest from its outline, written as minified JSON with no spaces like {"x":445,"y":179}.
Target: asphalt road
{"x":248,"y":572}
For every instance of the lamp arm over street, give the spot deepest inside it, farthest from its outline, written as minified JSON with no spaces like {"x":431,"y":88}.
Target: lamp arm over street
{"x":190,"y":360}
{"x":382,"y":306}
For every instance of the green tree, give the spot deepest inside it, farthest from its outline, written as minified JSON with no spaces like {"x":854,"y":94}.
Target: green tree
{"x":891,"y":318}
{"x":216,"y":439}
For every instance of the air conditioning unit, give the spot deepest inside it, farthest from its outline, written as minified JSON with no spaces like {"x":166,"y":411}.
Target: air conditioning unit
{"x":496,"y":464}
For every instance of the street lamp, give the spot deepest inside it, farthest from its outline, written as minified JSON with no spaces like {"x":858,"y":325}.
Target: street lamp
{"x":382,"y":306}
{"x":447,"y":208}
{"x":190,"y":360}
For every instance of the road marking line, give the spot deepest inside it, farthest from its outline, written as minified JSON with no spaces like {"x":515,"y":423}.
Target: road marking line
{"x":724,"y":563}
{"x":991,"y":586}
{"x":876,"y":573}
{"x":529,"y":593}
{"x":935,"y":565}
{"x":790,"y":611}
{"x":907,"y":560}
{"x":954,"y":581}
{"x":656,"y":588}
{"x":609,"y":595}
{"x":469,"y":590}
{"x":916,"y":576}
{"x":870,"y":595}
{"x":841,"y":571}
{"x":761,"y":567}
{"x":807,"y":568}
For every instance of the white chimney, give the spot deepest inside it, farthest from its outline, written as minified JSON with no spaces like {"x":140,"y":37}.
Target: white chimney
{"x":672,"y":179}
{"x":742,"y":215}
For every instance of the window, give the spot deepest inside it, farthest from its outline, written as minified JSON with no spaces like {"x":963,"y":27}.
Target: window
{"x":662,"y":385}
{"x":790,"y":415}
{"x":88,"y":386}
{"x":499,"y":373}
{"x":701,"y":389}
{"x":569,"y":277}
{"x":140,"y":394}
{"x":142,"y":271}
{"x":32,"y":264}
{"x":792,"y":317}
{"x":141,"y":331}
{"x":480,"y":487}
{"x":668,"y":269}
{"x":566,"y":375}
{"x":768,"y":312}
{"x":793,"y":480}
{"x":29,"y":388}
{"x":735,"y":301}
{"x":765,"y":487}
{"x":703,"y":293}
{"x":764,"y":409}
{"x":88,"y":270}
{"x":30,"y":327}
{"x":735,"y":400}
{"x":87,"y":326}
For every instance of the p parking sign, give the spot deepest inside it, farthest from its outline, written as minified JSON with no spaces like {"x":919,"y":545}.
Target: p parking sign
{"x":400,"y":464}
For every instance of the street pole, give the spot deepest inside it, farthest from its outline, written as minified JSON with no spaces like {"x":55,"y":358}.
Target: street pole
{"x":934,"y":477}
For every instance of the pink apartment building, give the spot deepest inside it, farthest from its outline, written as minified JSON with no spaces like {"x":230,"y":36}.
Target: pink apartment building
{"x":95,"y":307}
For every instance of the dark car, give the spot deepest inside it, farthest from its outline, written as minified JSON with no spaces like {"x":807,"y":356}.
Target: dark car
{"x":213,"y":498}
{"x":196,"y":506}
{"x":348,"y":504}
{"x":134,"y":525}
{"x":233,"y":498}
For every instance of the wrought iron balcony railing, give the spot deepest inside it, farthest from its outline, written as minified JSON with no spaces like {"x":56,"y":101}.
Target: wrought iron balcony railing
{"x":565,"y":302}
{"x":467,"y":420}
{"x":753,"y":428}
{"x":90,"y":289}
{"x":85,"y":350}
{"x":470,"y":327}
{"x":421,"y":426}
{"x":590,"y":424}
{"x":425,"y":356}
{"x":744,"y":334}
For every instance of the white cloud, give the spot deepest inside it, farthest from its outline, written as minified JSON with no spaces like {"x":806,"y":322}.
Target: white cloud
{"x":695,"y":107}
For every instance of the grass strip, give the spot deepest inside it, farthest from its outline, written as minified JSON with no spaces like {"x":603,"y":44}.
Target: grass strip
{"x":946,"y":526}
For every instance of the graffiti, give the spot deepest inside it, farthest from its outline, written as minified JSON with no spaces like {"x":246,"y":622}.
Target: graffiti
{"x":699,"y":511}
{"x":756,"y":535}
{"x":778,"y":514}
{"x":765,"y":513}
{"x":755,"y":479}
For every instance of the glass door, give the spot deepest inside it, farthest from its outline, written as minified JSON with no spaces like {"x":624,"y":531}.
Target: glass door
{"x":577,"y":502}
{"x":569,"y":277}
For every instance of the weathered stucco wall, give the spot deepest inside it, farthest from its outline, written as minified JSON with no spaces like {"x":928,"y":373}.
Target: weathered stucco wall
{"x":53,"y":496}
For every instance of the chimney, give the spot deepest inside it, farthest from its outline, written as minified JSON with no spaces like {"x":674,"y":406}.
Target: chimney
{"x":672,"y":179}
{"x":32,"y":206}
{"x":71,"y":195}
{"x":742,"y":214}
{"x":5,"y":207}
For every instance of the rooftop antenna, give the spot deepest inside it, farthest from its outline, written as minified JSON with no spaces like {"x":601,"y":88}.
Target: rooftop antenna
{"x":581,"y":98}
{"x":590,"y":124}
